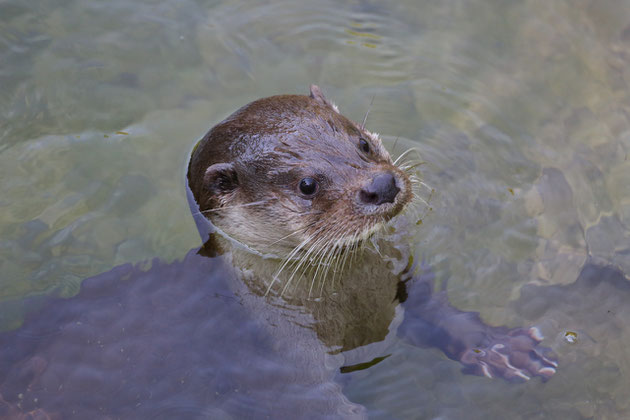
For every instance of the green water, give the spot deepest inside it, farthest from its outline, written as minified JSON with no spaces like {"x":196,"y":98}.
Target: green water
{"x":521,"y":109}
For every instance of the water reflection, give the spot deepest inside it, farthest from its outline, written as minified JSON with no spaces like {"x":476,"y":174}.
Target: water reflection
{"x":519,"y":108}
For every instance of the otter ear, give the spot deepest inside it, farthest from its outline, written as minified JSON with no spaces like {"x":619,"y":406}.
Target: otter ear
{"x":220,"y":178}
{"x":317,"y":94}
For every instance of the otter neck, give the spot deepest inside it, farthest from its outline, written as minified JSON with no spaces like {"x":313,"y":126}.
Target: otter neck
{"x":296,"y":281}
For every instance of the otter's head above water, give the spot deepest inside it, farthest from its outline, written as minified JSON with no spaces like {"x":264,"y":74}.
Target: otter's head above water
{"x":288,"y":175}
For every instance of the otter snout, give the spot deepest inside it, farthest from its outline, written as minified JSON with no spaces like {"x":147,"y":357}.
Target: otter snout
{"x":381,"y":190}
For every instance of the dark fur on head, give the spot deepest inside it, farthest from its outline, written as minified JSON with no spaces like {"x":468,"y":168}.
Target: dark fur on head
{"x":246,"y":172}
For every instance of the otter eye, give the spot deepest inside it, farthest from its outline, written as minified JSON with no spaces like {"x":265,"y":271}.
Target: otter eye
{"x":308,"y":186}
{"x":364,"y":145}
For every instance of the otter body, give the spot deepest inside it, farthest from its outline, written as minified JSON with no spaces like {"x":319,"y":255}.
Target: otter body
{"x":291,"y":199}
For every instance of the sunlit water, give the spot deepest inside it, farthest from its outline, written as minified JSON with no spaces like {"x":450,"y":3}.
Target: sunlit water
{"x":521,"y":109}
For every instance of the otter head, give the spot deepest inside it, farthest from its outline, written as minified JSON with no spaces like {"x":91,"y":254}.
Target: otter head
{"x":289,"y":175}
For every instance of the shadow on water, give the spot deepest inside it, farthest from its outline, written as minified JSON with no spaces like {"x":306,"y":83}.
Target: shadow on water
{"x":169,"y":342}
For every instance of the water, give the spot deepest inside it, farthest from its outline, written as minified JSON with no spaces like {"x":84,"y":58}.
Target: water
{"x":522,"y":110}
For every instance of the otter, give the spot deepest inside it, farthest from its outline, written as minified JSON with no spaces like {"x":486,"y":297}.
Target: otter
{"x":291,"y":199}
{"x":293,"y":190}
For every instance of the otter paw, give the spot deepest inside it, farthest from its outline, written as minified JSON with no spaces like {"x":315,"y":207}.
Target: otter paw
{"x":512,"y":355}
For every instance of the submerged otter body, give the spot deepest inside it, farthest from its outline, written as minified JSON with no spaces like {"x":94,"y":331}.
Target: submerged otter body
{"x":290,"y":198}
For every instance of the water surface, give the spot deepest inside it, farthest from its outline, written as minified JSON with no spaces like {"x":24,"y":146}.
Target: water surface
{"x":521,"y":109}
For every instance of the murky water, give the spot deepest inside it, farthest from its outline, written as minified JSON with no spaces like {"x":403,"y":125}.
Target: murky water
{"x":521,"y":109}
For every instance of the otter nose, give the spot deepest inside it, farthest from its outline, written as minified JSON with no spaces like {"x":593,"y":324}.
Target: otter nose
{"x":381,"y":190}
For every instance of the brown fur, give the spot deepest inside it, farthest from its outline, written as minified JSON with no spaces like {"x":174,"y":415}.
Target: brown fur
{"x":265,"y":148}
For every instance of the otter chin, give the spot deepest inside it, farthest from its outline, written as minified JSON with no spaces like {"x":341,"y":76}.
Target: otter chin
{"x":290,"y":176}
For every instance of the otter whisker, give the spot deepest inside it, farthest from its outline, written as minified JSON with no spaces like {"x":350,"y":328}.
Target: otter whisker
{"x":376,"y":249}
{"x":410,"y":166}
{"x":314,"y":247}
{"x":395,"y":143}
{"x":350,"y":251}
{"x":415,"y":180}
{"x":407,"y":160}
{"x":366,"y":114}
{"x":328,"y":258}
{"x":288,"y":259}
{"x":301,"y":212}
{"x":293,"y":233}
{"x":341,"y":260}
{"x":323,"y":250}
{"x":307,"y":263}
{"x":302,"y":262}
{"x":310,"y":245}
{"x":405,"y":153}
{"x":335,"y":264}
{"x":414,"y":205}
{"x":323,"y":272}
{"x":333,"y":259}
{"x":427,"y":186}
{"x":328,"y":264}
{"x":373,"y":239}
{"x":360,"y":245}
{"x":417,"y":197}
{"x":318,"y":267}
{"x":321,"y":255}
{"x":254,"y":203}
{"x":355,"y":246}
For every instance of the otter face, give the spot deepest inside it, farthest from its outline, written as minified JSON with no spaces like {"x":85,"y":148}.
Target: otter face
{"x":289,"y":175}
